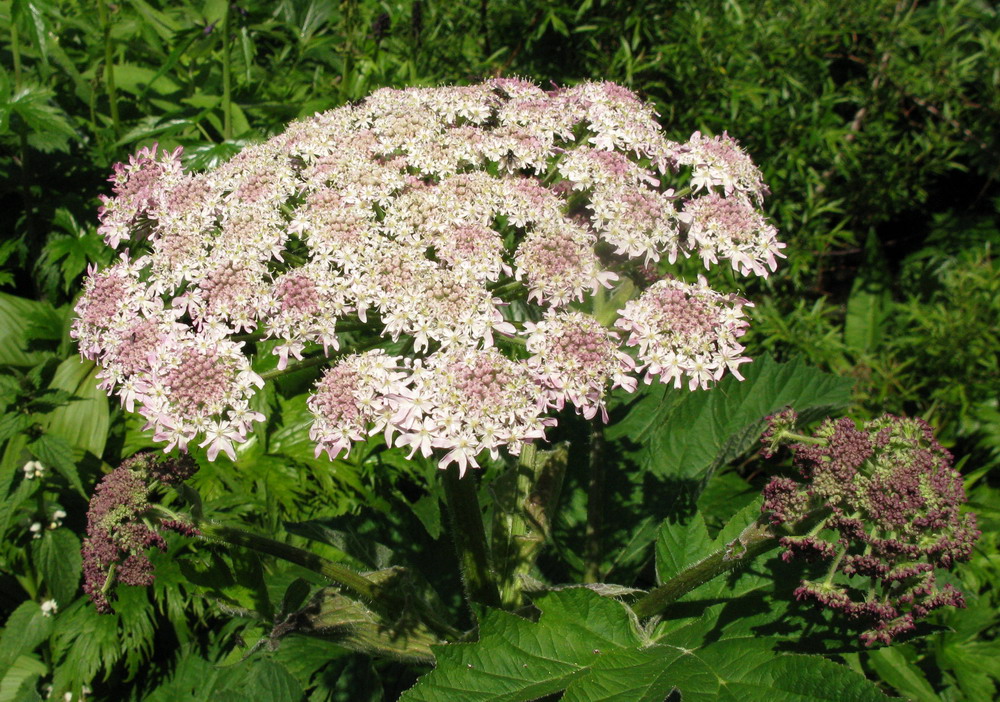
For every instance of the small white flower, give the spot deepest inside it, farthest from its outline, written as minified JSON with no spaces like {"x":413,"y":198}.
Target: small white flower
{"x":57,"y":518}
{"x":33,"y":469}
{"x":50,"y":607}
{"x":36,"y":530}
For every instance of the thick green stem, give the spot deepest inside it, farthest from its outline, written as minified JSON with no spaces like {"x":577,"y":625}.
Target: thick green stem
{"x":756,"y":539}
{"x":292,"y":367}
{"x":109,"y":66}
{"x":227,"y":80}
{"x":15,"y":50}
{"x":470,"y":538}
{"x":595,"y":505}
{"x":359,"y":584}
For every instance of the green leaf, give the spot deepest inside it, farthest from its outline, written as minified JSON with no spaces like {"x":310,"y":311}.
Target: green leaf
{"x":57,"y":557}
{"x":868,"y":302}
{"x":21,"y":682}
{"x":269,"y":681}
{"x":55,"y":451}
{"x":49,"y":128}
{"x":691,"y":437}
{"x":73,"y":253}
{"x":516,"y":659}
{"x":354,"y":626}
{"x":30,"y":16}
{"x":25,"y":629}
{"x":85,"y":642}
{"x":15,"y":315}
{"x":907,"y":679}
{"x":14,"y":423}
{"x":84,"y":423}
{"x":588,"y":646}
{"x":137,"y":79}
{"x":681,"y":545}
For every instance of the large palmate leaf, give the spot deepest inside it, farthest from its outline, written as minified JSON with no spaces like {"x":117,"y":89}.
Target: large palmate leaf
{"x":689,"y":434}
{"x":589,"y":648}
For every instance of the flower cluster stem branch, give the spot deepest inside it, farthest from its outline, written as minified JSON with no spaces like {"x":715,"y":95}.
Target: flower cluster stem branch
{"x":337,"y":573}
{"x":755,"y":540}
{"x":227,"y":78}
{"x":292,"y":367}
{"x":15,"y":50}
{"x":109,"y":67}
{"x":469,"y":536}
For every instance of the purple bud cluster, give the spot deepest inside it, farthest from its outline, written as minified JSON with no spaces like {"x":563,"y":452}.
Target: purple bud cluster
{"x":889,"y":508}
{"x":122,"y":526}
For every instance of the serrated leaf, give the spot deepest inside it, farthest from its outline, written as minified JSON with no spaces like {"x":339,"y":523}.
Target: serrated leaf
{"x":83,"y":423}
{"x":517,"y":659}
{"x":57,"y":557}
{"x":45,"y":120}
{"x":681,"y":545}
{"x":13,"y":423}
{"x":269,"y":681}
{"x":73,"y":252}
{"x":85,"y":642}
{"x":906,"y":678}
{"x":692,"y":437}
{"x":55,"y":451}
{"x":587,"y":646}
{"x":26,"y":627}
{"x":30,"y":16}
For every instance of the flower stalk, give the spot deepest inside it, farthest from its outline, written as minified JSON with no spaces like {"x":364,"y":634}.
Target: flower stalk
{"x":109,"y":66}
{"x":357,"y":583}
{"x":469,"y":535}
{"x":758,"y":538}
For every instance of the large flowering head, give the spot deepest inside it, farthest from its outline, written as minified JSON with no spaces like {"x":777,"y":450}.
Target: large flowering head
{"x":448,"y":222}
{"x":122,"y":525}
{"x":887,"y":510}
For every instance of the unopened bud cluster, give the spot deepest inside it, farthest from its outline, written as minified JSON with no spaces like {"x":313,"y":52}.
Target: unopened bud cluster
{"x":889,"y":508}
{"x":459,"y":220}
{"x":122,"y":524}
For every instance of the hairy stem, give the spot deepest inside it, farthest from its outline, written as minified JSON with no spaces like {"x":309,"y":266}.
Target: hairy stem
{"x":470,"y":539}
{"x":595,"y":505}
{"x":758,"y":538}
{"x":109,"y":66}
{"x":227,"y":79}
{"x":357,"y":583}
{"x":15,"y":50}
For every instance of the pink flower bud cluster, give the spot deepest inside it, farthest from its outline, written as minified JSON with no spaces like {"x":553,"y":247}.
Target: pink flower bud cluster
{"x":121,"y":527}
{"x":889,"y":505}
{"x":442,"y":218}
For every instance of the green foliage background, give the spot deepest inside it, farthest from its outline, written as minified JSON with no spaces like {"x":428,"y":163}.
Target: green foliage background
{"x":875,"y":123}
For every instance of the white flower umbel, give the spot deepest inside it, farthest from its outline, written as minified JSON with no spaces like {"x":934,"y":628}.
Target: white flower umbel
{"x":452,"y":222}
